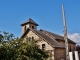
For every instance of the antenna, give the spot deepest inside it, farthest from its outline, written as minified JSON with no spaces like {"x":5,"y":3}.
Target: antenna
{"x":29,"y":16}
{"x":65,"y":33}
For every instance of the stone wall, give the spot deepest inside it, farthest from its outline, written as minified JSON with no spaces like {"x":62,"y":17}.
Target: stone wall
{"x":71,"y":46}
{"x":48,"y":47}
{"x":23,"y":28}
{"x":31,"y":34}
{"x":59,"y":54}
{"x":28,"y":26}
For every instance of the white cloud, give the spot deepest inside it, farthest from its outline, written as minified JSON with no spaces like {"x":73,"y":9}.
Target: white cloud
{"x":75,"y":37}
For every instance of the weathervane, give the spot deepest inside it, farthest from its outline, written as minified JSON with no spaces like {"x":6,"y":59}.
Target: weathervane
{"x":29,"y":16}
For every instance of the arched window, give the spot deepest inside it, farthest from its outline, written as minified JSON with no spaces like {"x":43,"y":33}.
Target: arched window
{"x":25,"y":28}
{"x":32,"y":27}
{"x":29,"y":38}
{"x":43,"y":47}
{"x":32,"y":38}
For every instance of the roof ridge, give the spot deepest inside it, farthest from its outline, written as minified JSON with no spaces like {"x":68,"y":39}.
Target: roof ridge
{"x":60,"y":45}
{"x":56,"y":35}
{"x":52,"y":33}
{"x":29,"y":20}
{"x":50,"y":36}
{"x":47,"y":33}
{"x":46,"y":38}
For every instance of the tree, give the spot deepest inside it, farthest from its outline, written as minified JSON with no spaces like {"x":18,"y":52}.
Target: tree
{"x":7,"y":36}
{"x":17,"y":50}
{"x":30,"y":51}
{"x":1,"y":37}
{"x":7,"y":51}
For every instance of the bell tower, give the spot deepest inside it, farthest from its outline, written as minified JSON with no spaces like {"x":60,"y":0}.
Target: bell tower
{"x":29,"y":23}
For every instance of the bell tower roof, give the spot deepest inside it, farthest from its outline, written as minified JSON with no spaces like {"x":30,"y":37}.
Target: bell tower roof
{"x":29,"y":20}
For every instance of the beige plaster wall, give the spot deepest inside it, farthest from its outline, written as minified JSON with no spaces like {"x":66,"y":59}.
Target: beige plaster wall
{"x":48,"y":47}
{"x":35,"y":27}
{"x":31,"y":34}
{"x":24,"y":27}
{"x":27,"y":26}
{"x":57,"y":53}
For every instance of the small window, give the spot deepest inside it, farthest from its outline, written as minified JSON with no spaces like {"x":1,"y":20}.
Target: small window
{"x":43,"y":46}
{"x":32,"y":38}
{"x":29,"y":39}
{"x":33,"y":27}
{"x":69,"y":48}
{"x":25,"y":28}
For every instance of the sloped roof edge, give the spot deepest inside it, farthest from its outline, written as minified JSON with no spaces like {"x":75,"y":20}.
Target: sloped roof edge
{"x":29,"y":20}
{"x":51,"y":43}
{"x":58,"y":37}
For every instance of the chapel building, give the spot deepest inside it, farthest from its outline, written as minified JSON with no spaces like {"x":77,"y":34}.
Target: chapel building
{"x":50,"y":41}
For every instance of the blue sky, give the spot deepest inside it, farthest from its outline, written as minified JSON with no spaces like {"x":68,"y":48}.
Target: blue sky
{"x":47,"y":13}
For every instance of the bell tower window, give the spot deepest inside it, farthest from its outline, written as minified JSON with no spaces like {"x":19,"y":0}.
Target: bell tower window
{"x":25,"y":28}
{"x":32,"y":27}
{"x":29,"y":24}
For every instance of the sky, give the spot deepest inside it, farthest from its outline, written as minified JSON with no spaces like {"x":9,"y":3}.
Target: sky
{"x":47,"y":13}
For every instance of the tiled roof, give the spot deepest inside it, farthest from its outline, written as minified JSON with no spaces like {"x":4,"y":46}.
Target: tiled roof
{"x":29,"y":20}
{"x":56,"y":36}
{"x":49,"y":37}
{"x":45,"y":37}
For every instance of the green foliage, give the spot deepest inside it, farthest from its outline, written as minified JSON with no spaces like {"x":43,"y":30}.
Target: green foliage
{"x":6,"y":36}
{"x":1,"y":37}
{"x":8,"y":51}
{"x":31,"y":51}
{"x":17,"y":50}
